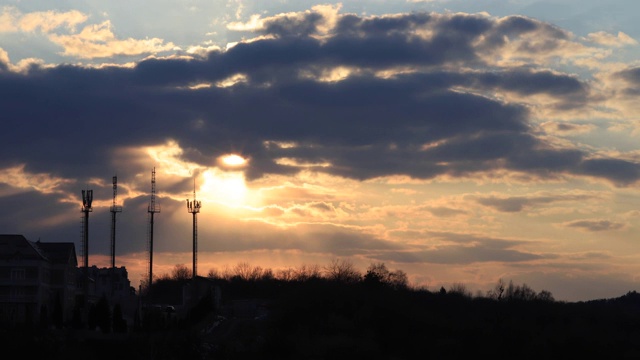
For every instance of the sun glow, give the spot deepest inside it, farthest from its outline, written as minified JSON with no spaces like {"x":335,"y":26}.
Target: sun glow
{"x":228,"y":188}
{"x":233,"y":160}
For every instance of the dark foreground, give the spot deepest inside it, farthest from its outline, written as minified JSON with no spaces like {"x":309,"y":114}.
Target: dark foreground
{"x":326,"y":320}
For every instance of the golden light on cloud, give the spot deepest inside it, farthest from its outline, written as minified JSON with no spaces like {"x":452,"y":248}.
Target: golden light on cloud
{"x":232,"y":80}
{"x":296,"y":163}
{"x":255,"y":23}
{"x":99,"y":41}
{"x":280,"y":144}
{"x":168,"y":156}
{"x":333,"y":74}
{"x":18,"y":178}
{"x":228,"y":188}
{"x":199,"y":86}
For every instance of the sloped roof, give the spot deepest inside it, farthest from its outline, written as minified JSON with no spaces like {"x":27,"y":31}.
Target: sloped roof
{"x":17,"y":246}
{"x":59,"y":253}
{"x":14,"y":246}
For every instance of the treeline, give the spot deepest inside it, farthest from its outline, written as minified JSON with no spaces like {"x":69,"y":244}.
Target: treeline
{"x":345,"y":272}
{"x":338,"y":312}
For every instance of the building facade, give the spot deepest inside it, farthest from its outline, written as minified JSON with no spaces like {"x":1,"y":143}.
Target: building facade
{"x":37,"y":281}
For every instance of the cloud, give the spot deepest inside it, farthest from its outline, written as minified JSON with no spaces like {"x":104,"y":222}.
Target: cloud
{"x":630,"y":80}
{"x":520,"y":203}
{"x":12,"y":20}
{"x":98,"y":41}
{"x":444,"y":211}
{"x":567,"y":128}
{"x":424,"y":124}
{"x":93,"y":41}
{"x":594,"y":225}
{"x":319,"y":21}
{"x":460,"y":248}
{"x":604,"y":38}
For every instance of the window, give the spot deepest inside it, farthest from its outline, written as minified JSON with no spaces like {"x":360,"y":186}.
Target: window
{"x":17,"y":274}
{"x":17,"y":293}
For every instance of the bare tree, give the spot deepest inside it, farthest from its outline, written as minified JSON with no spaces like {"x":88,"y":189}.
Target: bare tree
{"x":227,"y":273}
{"x":214,"y":274}
{"x":545,"y":295}
{"x":162,"y":277}
{"x":497,"y":292}
{"x":243,"y":270}
{"x":524,"y":292}
{"x":378,"y":273}
{"x":180,"y":272}
{"x":307,"y":272}
{"x":342,"y":271}
{"x":459,"y":288}
{"x":520,"y":292}
{"x":398,"y":279}
{"x":287,"y":274}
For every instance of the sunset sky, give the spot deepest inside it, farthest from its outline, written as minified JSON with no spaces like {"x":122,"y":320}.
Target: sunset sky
{"x":462,"y":142}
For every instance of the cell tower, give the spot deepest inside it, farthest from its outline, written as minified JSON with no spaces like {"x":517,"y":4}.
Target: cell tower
{"x":114,"y":210}
{"x":153,"y":208}
{"x":194,"y":208}
{"x":87,"y":199}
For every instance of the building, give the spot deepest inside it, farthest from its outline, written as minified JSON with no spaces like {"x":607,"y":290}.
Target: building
{"x":115,"y":286}
{"x":37,"y":281}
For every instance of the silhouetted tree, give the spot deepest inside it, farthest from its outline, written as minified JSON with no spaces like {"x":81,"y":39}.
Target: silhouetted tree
{"x":144,"y":285}
{"x":287,"y":274}
{"x":308,"y":272}
{"x":302,"y":273}
{"x":398,"y":279}
{"x":497,"y":292}
{"x":545,"y":295}
{"x":181,"y":272}
{"x":342,"y":271}
{"x":459,"y":289}
{"x":377,"y":273}
{"x":247,"y":272}
{"x":519,"y":292}
{"x":214,"y":274}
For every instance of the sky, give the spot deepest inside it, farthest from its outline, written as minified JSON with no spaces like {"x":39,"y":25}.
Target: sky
{"x":462,"y":142}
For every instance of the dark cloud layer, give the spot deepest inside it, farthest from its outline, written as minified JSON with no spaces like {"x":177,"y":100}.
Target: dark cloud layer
{"x":67,"y":120}
{"x":595,"y":225}
{"x":457,"y":248}
{"x":519,"y":203}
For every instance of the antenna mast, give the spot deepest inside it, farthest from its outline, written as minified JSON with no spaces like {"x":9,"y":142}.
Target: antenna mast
{"x":153,"y":208}
{"x":87,"y":199}
{"x":114,"y":209}
{"x":194,"y":208}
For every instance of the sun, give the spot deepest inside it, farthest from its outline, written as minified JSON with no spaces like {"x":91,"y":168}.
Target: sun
{"x":233,"y":160}
{"x":226,"y":187}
